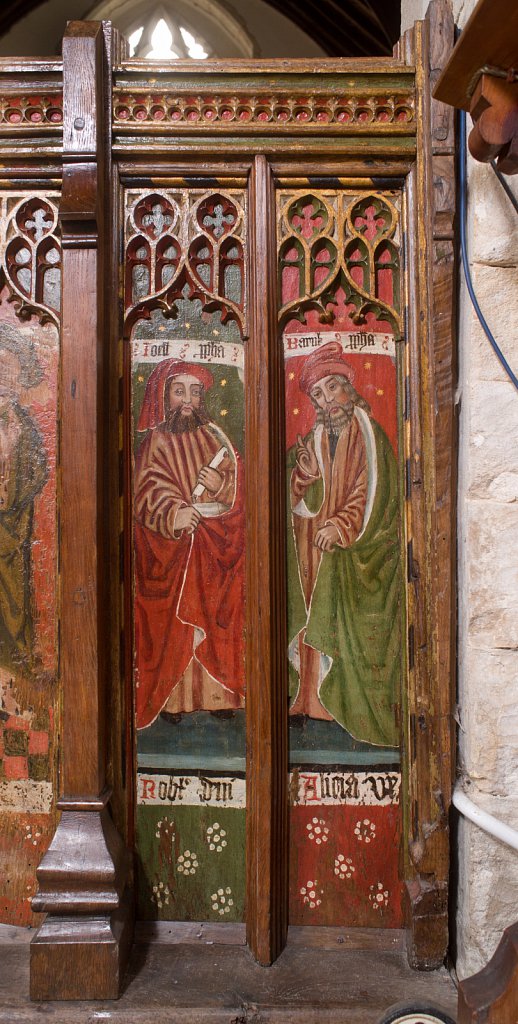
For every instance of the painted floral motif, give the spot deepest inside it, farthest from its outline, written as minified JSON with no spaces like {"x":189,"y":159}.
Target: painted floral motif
{"x":344,"y":867}
{"x":215,"y":836}
{"x":165,"y":829}
{"x":378,"y":896}
{"x":310,"y":895}
{"x":221,"y":900}
{"x":365,"y":831}
{"x":187,"y":863}
{"x":161,"y":894}
{"x":317,"y":831}
{"x":32,"y":835}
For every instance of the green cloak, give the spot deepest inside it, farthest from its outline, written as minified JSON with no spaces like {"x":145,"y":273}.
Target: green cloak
{"x":355,"y":613}
{"x":27,"y":478}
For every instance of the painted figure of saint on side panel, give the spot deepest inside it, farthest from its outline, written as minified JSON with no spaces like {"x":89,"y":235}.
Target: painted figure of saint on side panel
{"x":189,"y":551}
{"x":29,"y":306}
{"x":189,"y":548}
{"x":344,"y":557}
{"x":339,"y":284}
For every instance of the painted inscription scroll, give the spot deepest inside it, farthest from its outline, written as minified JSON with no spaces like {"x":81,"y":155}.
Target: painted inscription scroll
{"x":340,"y":297}
{"x":29,"y":307}
{"x":186,"y":299}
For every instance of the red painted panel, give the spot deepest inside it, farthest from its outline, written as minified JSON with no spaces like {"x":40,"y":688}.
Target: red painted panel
{"x":344,"y":866}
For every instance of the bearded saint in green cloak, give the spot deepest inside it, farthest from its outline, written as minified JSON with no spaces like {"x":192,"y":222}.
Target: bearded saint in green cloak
{"x":344,"y":572}
{"x":23,"y":473}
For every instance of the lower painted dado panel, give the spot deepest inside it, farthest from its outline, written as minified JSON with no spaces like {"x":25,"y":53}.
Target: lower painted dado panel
{"x":345,"y":829}
{"x":345,"y":834}
{"x":190,"y":838}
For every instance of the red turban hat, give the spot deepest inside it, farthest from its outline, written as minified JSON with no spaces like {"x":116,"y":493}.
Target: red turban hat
{"x":153,"y":407}
{"x":325,"y":362}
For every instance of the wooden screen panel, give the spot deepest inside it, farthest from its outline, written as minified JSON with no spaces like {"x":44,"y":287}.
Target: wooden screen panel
{"x":30,"y":280}
{"x":185,"y":291}
{"x":339,"y":284}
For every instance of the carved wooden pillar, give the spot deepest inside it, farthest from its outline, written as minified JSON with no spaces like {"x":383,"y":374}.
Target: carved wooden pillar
{"x":430,"y":493}
{"x":79,"y":951}
{"x":267,"y":842}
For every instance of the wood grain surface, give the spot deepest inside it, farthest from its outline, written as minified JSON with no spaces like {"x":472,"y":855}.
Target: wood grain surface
{"x":83,"y":874}
{"x":491,"y":996}
{"x":430,"y":456}
{"x":223,"y":985}
{"x":490,"y":36}
{"x":89,"y":499}
{"x":266,"y":669}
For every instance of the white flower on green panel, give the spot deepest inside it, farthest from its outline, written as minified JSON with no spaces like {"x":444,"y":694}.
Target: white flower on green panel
{"x":161,"y":894}
{"x":187,"y":863}
{"x":215,"y":837}
{"x":165,"y":829}
{"x":221,"y":901}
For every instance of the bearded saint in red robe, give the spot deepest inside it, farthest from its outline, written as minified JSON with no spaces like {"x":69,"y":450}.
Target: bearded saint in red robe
{"x":189,"y":552}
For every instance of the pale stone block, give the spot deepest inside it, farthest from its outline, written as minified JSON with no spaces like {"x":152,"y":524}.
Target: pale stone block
{"x":490,"y":465}
{"x":492,"y":221}
{"x":496,"y":289}
{"x":462,"y":10}
{"x":412,"y":10}
{"x":491,"y":532}
{"x":488,"y":895}
{"x":489,"y":724}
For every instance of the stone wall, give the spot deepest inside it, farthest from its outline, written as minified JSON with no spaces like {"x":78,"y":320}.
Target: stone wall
{"x":488,"y":572}
{"x":488,"y":560}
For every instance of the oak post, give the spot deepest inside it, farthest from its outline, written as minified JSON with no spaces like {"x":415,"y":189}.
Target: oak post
{"x":266,"y":645}
{"x":431,"y":503}
{"x":80,"y":949}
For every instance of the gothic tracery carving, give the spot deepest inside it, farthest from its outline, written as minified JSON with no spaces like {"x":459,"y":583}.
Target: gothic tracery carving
{"x":329,"y":241}
{"x":185,"y":237}
{"x":30,"y":254}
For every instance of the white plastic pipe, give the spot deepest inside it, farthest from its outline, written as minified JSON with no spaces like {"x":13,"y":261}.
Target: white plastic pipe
{"x":484,"y":820}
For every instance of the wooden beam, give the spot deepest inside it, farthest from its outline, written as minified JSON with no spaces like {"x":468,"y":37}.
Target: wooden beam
{"x":266,"y":662}
{"x":430,"y":439}
{"x":490,"y":37}
{"x":80,"y":949}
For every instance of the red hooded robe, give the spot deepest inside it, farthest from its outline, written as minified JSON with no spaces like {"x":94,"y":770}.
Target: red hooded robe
{"x":189,"y":589}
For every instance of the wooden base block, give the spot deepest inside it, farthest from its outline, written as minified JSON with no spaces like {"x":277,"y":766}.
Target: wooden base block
{"x":427,"y":924}
{"x":81,"y":957}
{"x":81,"y":949}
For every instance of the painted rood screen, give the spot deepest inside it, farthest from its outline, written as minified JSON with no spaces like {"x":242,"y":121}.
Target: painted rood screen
{"x":185,"y":298}
{"x":339,"y":320}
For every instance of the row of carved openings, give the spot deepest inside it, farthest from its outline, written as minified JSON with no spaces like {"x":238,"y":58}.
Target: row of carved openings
{"x":265,"y":109}
{"x":31,"y":110}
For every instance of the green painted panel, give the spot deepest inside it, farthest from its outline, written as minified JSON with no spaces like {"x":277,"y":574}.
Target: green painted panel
{"x":191,"y":863}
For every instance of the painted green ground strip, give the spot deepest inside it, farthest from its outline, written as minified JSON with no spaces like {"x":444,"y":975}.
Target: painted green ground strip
{"x":191,"y":863}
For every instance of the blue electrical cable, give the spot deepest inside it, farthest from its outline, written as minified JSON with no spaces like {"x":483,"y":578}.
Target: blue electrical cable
{"x":463,"y":212}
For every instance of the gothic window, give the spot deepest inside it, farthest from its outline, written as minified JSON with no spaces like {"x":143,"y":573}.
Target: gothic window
{"x":177,"y":31}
